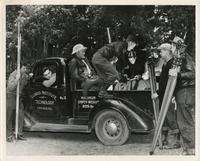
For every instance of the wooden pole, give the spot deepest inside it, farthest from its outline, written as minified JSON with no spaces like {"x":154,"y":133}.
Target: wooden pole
{"x":18,"y":84}
{"x":109,"y":37}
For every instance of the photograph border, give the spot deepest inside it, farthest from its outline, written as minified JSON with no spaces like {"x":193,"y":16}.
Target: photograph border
{"x":3,"y":155}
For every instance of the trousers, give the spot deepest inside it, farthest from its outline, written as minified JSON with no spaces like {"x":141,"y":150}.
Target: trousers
{"x":10,"y":114}
{"x":105,"y":70}
{"x":186,"y":115}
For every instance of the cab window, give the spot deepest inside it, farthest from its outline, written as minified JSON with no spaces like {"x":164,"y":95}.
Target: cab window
{"x":45,"y":75}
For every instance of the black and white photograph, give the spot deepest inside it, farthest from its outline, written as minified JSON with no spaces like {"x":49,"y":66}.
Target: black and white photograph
{"x":100,"y":80}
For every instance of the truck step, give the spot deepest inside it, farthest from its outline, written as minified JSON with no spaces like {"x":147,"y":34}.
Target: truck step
{"x":58,"y":128}
{"x":77,"y":121}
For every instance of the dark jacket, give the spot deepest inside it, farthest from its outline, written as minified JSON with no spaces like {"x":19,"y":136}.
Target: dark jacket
{"x":101,"y":61}
{"x":77,"y":69}
{"x":111,"y":50}
{"x":164,"y":78}
{"x":186,"y":77}
{"x":133,"y":69}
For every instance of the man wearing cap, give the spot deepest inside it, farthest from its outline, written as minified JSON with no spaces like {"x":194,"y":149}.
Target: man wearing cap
{"x":102,"y":62}
{"x":185,"y":96}
{"x":167,"y":57}
{"x":12,"y":82}
{"x":80,"y":68}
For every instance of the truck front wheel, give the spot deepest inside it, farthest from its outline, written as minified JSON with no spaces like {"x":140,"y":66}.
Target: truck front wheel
{"x":111,"y":128}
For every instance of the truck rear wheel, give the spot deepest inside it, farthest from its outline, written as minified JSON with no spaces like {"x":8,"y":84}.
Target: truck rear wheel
{"x":111,"y":128}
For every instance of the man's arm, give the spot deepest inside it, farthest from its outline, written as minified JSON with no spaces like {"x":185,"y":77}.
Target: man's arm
{"x":13,"y":80}
{"x":50,"y":82}
{"x":189,"y":69}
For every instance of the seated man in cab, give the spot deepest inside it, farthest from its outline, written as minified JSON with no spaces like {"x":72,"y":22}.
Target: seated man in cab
{"x":49,"y":78}
{"x":81,"y":70}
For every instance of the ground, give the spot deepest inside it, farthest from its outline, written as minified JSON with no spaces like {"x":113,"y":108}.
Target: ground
{"x":81,"y":144}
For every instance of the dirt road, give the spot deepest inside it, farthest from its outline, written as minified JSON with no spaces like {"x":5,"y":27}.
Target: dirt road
{"x":81,"y":144}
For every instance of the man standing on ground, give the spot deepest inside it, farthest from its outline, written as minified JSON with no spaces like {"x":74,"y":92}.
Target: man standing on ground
{"x":13,"y":80}
{"x":170,"y":122}
{"x":185,"y":97}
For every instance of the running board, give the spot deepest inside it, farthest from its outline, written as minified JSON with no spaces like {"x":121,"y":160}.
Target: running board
{"x":44,"y":127}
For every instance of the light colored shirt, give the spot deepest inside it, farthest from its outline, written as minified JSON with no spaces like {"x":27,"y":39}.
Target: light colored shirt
{"x":89,"y":72}
{"x":48,"y":83}
{"x":12,"y":82}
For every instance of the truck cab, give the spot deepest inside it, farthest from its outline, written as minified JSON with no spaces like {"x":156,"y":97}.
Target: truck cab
{"x":63,"y":107}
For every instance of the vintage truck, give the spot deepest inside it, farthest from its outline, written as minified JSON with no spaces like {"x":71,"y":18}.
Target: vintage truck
{"x":63,"y":108}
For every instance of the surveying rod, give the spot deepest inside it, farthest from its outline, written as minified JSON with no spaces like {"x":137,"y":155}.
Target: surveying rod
{"x":18,"y":84}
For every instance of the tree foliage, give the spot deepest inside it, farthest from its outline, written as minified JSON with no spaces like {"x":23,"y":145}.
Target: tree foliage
{"x":52,"y":30}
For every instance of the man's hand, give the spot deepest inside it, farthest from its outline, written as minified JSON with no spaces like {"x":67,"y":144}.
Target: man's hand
{"x":116,"y":81}
{"x":138,"y":77}
{"x":173,"y":100}
{"x":124,"y":78}
{"x":30,"y":75}
{"x":113,"y":60}
{"x":154,"y":96}
{"x":173,"y":72}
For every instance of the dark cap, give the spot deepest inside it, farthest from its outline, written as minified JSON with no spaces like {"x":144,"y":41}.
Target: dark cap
{"x":26,"y":63}
{"x":131,"y":38}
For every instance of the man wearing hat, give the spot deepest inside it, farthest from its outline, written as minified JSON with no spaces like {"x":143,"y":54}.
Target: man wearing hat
{"x":185,"y":96}
{"x":170,"y":122}
{"x":80,"y":68}
{"x":102,"y":62}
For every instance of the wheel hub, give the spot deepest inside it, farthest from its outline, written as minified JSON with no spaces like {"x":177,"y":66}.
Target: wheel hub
{"x":112,"y":128}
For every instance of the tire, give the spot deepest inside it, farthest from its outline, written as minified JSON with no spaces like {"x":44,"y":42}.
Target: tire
{"x":111,"y":128}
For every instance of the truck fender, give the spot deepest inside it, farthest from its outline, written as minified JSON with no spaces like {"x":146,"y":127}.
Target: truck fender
{"x":136,"y":123}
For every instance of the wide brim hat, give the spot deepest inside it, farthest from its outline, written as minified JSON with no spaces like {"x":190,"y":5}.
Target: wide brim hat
{"x":78,"y":47}
{"x":165,"y":46}
{"x":179,"y":41}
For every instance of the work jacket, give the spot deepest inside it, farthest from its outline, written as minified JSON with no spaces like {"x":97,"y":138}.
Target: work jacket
{"x":79,"y":69}
{"x":186,"y":77}
{"x":12,"y":83}
{"x":111,"y":50}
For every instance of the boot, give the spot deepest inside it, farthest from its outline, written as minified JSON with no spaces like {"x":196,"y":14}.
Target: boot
{"x":174,"y":142}
{"x":165,"y":137}
{"x":21,"y":137}
{"x":10,"y":138}
{"x":188,"y":151}
{"x":103,"y":93}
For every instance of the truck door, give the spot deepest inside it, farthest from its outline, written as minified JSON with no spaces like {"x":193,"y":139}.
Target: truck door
{"x":47,"y":104}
